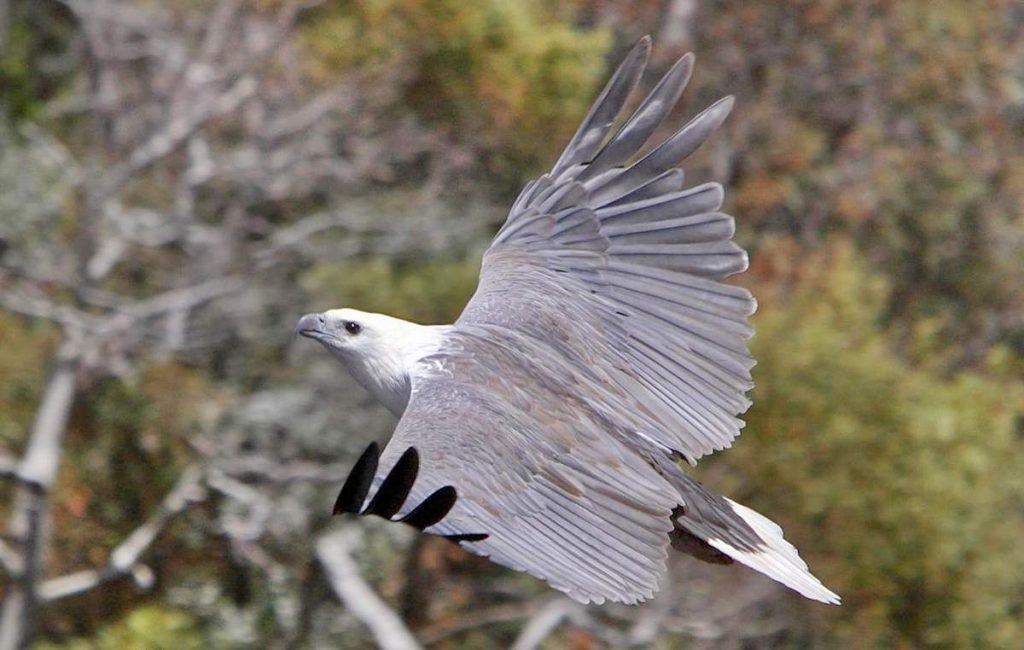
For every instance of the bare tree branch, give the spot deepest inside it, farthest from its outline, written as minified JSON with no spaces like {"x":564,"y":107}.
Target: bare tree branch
{"x":273,"y":469}
{"x":173,"y":134}
{"x":251,"y":525}
{"x":120,"y":14}
{"x":334,"y":552}
{"x":302,"y":230}
{"x":217,"y":27}
{"x":543,"y":624}
{"x":29,"y":521}
{"x":39,"y":465}
{"x":124,"y":560}
{"x":18,"y":302}
{"x":186,"y":298}
{"x":308,"y":114}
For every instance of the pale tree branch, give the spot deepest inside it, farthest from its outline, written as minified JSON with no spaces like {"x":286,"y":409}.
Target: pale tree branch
{"x":39,"y":464}
{"x":109,"y":12}
{"x":334,"y":550}
{"x":307,"y":115}
{"x":184,"y":298}
{"x":171,"y":135}
{"x":19,"y":302}
{"x":29,"y":520}
{"x":217,"y":27}
{"x":249,"y":526}
{"x":240,"y":63}
{"x":124,"y":560}
{"x":126,"y":315}
{"x":543,"y":624}
{"x":301,"y":231}
{"x":273,"y":469}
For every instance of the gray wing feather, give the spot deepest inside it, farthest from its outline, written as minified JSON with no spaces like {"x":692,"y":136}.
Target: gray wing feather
{"x":641,"y":125}
{"x":556,"y":492}
{"x":669,"y":153}
{"x":591,"y":134}
{"x":627,"y":247}
{"x":667,"y":182}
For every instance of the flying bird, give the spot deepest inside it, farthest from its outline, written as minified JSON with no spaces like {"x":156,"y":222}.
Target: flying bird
{"x":544,"y":429}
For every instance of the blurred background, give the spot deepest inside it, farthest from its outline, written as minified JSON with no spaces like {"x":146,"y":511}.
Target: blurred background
{"x":181,"y":179}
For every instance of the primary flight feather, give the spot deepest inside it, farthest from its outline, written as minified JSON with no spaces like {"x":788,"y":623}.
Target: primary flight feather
{"x":543,"y":428}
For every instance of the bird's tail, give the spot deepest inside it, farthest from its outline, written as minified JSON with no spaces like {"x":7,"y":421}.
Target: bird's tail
{"x":714,"y":528}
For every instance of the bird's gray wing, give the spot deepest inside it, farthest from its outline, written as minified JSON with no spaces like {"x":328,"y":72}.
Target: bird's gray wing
{"x":619,"y":255}
{"x":496,"y":452}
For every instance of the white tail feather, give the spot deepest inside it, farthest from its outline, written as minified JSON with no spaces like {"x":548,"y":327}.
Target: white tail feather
{"x":779,"y":561}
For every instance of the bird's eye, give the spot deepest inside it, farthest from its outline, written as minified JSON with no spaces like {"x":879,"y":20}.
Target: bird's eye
{"x":353,"y":327}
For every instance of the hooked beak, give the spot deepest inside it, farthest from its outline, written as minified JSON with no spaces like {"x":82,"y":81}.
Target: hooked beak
{"x":311,"y":326}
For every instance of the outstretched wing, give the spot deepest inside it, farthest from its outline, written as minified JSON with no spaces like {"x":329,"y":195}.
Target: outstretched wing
{"x":636,"y":259}
{"x":488,"y":454}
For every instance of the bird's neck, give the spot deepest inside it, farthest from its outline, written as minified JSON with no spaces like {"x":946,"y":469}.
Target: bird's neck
{"x":387,"y":374}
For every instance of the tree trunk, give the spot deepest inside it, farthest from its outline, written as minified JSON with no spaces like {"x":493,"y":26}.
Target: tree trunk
{"x":29,"y":526}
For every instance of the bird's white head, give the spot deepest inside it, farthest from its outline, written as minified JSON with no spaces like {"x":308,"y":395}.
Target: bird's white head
{"x":379,"y":351}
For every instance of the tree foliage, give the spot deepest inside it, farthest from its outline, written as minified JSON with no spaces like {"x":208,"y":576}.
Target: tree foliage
{"x":507,"y":81}
{"x":897,"y":123}
{"x":903,"y":486}
{"x":150,"y":626}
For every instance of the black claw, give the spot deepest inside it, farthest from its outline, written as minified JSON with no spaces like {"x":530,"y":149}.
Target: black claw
{"x":394,"y":490}
{"x":433,"y":509}
{"x":358,"y":483}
